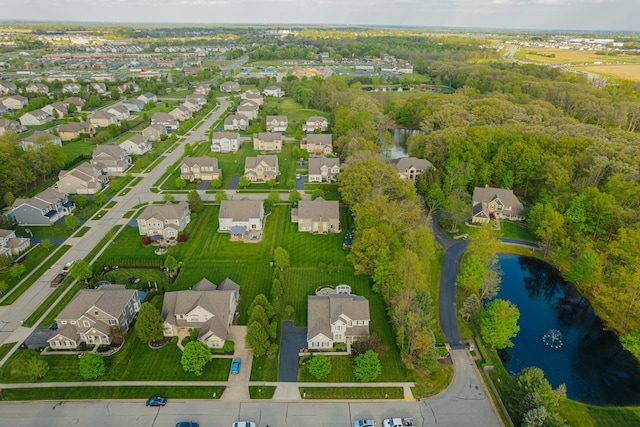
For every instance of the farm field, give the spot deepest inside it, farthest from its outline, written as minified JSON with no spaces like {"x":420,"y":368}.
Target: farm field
{"x":625,"y":72}
{"x":570,"y":56}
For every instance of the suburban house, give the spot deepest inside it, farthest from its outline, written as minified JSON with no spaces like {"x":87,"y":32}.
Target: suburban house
{"x":277,"y":123}
{"x":56,"y":110}
{"x":192,"y":106}
{"x":15,"y":102}
{"x":71,"y":88}
{"x":317,"y":216}
{"x":77,"y":101}
{"x":7,"y":88}
{"x":241,"y":218}
{"x":314,"y":123}
{"x":202,"y":89}
{"x":120,"y":111}
{"x":164,"y":220}
{"x":83,"y":179}
{"x":7,"y":125}
{"x":128,"y":86}
{"x":317,"y":144}
{"x":225,"y":142}
{"x":253,"y":95}
{"x":203,"y":168}
{"x":134,"y":105}
{"x":37,"y":88}
{"x":92,"y":313}
{"x":322,"y":169}
{"x":73,"y":130}
{"x":10,"y":244}
{"x":273,"y":91}
{"x":110,"y":159}
{"x":99,"y":88}
{"x":495,"y":203}
{"x":336,"y":318}
{"x":43,"y":209}
{"x":261,"y":168}
{"x":236,"y":122}
{"x":248,"y":109}
{"x":169,"y":123}
{"x":180,"y":113}
{"x":411,"y":167}
{"x":154,"y":132}
{"x":267,"y":142}
{"x":136,"y":145}
{"x":34,"y":118}
{"x":230,"y":87}
{"x":206,"y":307}
{"x":102,"y":119}
{"x":38,"y":138}
{"x":148,"y":97}
{"x":196,"y":100}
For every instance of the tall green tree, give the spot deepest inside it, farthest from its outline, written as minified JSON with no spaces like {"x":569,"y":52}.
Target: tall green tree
{"x":257,"y":339}
{"x":35,"y":367}
{"x":499,"y":323}
{"x":149,"y":326}
{"x":72,"y":222}
{"x":281,"y":258}
{"x":221,"y":195}
{"x":367,"y":366}
{"x":195,"y":356}
{"x":195,"y":201}
{"x":92,"y":366}
{"x":81,"y":270}
{"x":17,"y":270}
{"x":319,"y":366}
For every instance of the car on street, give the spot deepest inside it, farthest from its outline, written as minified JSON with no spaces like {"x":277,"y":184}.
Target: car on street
{"x":187,"y":424}
{"x":244,"y":424}
{"x":235,"y":366}
{"x":364,"y":423}
{"x":157,"y":401}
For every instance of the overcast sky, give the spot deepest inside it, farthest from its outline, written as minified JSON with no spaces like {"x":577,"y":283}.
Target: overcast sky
{"x":516,"y":14}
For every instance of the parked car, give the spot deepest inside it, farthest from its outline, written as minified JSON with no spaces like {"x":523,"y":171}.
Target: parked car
{"x":53,"y":326}
{"x":235,"y":366}
{"x":187,"y":424}
{"x":244,"y":424}
{"x":297,"y":176}
{"x":157,"y":401}
{"x":364,"y":423}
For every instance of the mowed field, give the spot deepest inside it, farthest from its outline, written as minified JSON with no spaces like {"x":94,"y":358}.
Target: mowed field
{"x":625,"y":72}
{"x":571,"y":56}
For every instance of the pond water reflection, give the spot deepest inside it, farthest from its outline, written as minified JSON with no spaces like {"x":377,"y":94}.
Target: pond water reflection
{"x":589,"y":359}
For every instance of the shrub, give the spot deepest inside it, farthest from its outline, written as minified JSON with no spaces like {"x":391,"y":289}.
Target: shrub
{"x":182,"y":238}
{"x":146,"y":240}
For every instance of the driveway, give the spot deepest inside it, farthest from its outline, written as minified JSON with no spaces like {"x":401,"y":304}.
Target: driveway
{"x":204,"y":185}
{"x":238,"y":386}
{"x":299,"y":183}
{"x":291,"y":341}
{"x":233,"y":182}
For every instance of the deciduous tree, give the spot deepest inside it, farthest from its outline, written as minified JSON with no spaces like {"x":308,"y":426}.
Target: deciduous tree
{"x":499,"y":323}
{"x":195,"y":356}
{"x":257,"y":339}
{"x":195,"y":201}
{"x":281,"y":258}
{"x":367,"y":366}
{"x":92,"y":366}
{"x":149,"y":326}
{"x":319,"y":366}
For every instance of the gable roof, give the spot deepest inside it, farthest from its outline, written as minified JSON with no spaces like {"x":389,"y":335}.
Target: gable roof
{"x":111,"y":299}
{"x":404,"y":163}
{"x":48,"y":197}
{"x":316,"y":163}
{"x":268,"y":136}
{"x":200,"y":161}
{"x":269,"y":160}
{"x":228,"y":135}
{"x":318,"y":209}
{"x":319,"y":139}
{"x":484,"y":195}
{"x":108,"y":151}
{"x":166,"y":212}
{"x":325,"y":310}
{"x":241,"y":210}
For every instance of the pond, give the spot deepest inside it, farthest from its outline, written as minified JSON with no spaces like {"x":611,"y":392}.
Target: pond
{"x":400,"y":142}
{"x":561,"y":334}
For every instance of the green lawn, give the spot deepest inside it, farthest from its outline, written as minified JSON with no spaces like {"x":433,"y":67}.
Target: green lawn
{"x":264,"y":369}
{"x":74,"y":149}
{"x":352,"y":393}
{"x":123,"y":392}
{"x":31,"y":262}
{"x":44,"y":231}
{"x":146,"y":276}
{"x":261,"y":392}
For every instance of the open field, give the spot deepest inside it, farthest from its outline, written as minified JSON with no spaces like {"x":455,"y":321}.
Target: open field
{"x":625,"y":72}
{"x":572,"y":56}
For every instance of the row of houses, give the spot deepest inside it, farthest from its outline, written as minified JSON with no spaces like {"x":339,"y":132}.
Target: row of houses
{"x":234,"y":87}
{"x":100,"y":88}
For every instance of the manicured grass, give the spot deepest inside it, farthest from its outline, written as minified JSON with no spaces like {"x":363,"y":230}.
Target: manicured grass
{"x":5,"y":348}
{"x":134,"y":362}
{"x":579,"y":414}
{"x":261,"y":392}
{"x":82,"y":231}
{"x":104,"y":242}
{"x":433,"y":383}
{"x":352,"y":393}
{"x":44,"y":231}
{"x":516,"y":230}
{"x":342,"y":372}
{"x":123,"y":392}
{"x":264,"y":369}
{"x":31,"y":279}
{"x":74,"y":149}
{"x":146,"y":276}
{"x":32,"y":260}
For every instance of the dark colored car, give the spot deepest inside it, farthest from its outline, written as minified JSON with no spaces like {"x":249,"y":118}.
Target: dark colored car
{"x":187,"y":424}
{"x":157,"y":401}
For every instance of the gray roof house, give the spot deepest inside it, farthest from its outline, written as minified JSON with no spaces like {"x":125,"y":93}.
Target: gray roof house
{"x":102,"y":119}
{"x":318,"y":144}
{"x":73,"y":130}
{"x":83,"y":179}
{"x":92,"y":313}
{"x":225,"y":142}
{"x":180,"y":113}
{"x":253,"y":95}
{"x":241,"y":217}
{"x":110,"y":159}
{"x":15,"y":102}
{"x":495,"y":203}
{"x":166,"y":220}
{"x":7,"y":125}
{"x":248,"y":109}
{"x":34,"y":118}
{"x":411,"y":167}
{"x":154,"y":132}
{"x":236,"y":122}
{"x":336,"y":318}
{"x":134,"y":104}
{"x":277,"y":124}
{"x":229,"y":87}
{"x":323,"y":169}
{"x":164,"y":119}
{"x":261,"y":168}
{"x":206,"y":307}
{"x":267,"y":142}
{"x":317,"y":216}
{"x":40,"y":137}
{"x":136,"y":145}
{"x":42,"y":209}
{"x":314,"y":123}
{"x":12,"y":245}
{"x":203,"y":168}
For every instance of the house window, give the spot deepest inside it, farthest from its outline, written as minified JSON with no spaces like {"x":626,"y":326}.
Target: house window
{"x":193,"y":319}
{"x":338,"y":336}
{"x":86,"y":323}
{"x":112,"y":321}
{"x":73,"y":322}
{"x":67,"y":343}
{"x":96,"y":312}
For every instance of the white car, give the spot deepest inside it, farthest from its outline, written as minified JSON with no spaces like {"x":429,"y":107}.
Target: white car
{"x":244,"y":424}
